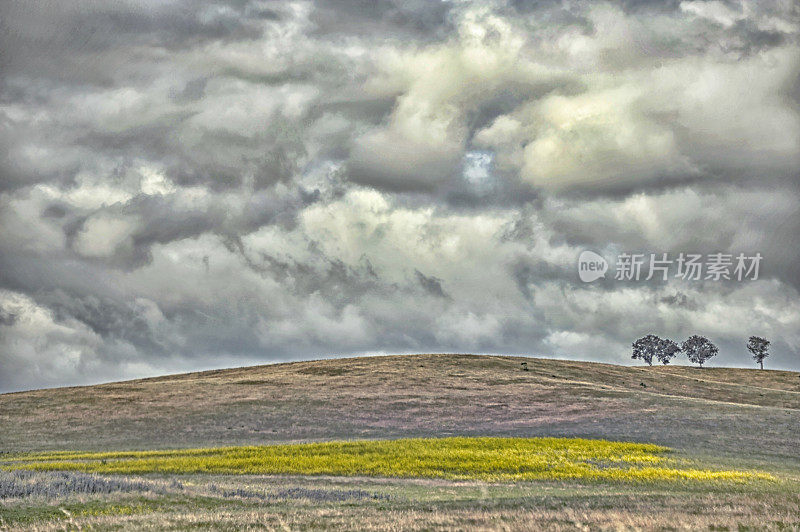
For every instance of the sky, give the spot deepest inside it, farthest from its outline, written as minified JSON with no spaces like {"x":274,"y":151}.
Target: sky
{"x":192,"y":184}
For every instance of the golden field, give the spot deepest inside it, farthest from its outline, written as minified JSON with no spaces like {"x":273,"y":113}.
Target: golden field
{"x":489,"y":459}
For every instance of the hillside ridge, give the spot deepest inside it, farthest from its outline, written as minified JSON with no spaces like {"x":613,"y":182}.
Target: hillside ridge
{"x":414,"y":396}
{"x":659,"y":369}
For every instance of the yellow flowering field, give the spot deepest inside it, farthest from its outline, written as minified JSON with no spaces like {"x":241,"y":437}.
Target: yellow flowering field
{"x":491,"y":459}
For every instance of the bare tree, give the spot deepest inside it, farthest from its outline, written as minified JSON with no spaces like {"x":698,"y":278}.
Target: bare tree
{"x":699,"y":349}
{"x":760,"y":349}
{"x":646,"y":348}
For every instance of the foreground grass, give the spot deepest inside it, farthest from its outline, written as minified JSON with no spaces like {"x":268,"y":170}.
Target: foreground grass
{"x":258,"y":502}
{"x":488,"y":459}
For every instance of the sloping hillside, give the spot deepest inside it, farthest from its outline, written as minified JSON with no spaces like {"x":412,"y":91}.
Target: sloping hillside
{"x":719,"y":411}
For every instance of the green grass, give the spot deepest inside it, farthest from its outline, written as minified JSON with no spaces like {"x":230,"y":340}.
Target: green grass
{"x":27,"y":514}
{"x":492,"y":459}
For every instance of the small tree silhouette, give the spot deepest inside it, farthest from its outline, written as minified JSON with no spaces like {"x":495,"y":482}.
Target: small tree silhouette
{"x":699,"y":349}
{"x":759,"y":347}
{"x":646,"y":348}
{"x":667,"y":350}
{"x":651,"y":346}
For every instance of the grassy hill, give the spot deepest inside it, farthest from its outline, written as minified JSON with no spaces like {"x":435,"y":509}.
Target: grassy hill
{"x":716,"y":411}
{"x":732,"y":462}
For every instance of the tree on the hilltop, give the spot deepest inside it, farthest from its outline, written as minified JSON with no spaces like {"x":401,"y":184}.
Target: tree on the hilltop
{"x":646,"y":348}
{"x":760,"y":349}
{"x":667,"y":350}
{"x":699,"y":349}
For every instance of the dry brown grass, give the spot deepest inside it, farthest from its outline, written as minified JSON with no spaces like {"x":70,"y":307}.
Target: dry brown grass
{"x":439,"y":505}
{"x":721,"y":411}
{"x":631,"y":514}
{"x":730,"y":417}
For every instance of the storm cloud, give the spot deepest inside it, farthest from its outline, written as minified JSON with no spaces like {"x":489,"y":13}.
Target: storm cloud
{"x":188,"y":185}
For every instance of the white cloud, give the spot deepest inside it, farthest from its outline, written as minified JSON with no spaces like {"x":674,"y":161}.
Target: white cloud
{"x":102,"y":235}
{"x":714,"y":10}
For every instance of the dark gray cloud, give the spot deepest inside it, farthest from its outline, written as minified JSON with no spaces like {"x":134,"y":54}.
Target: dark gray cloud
{"x":431,"y":285}
{"x":417,"y":19}
{"x":199,"y":184}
